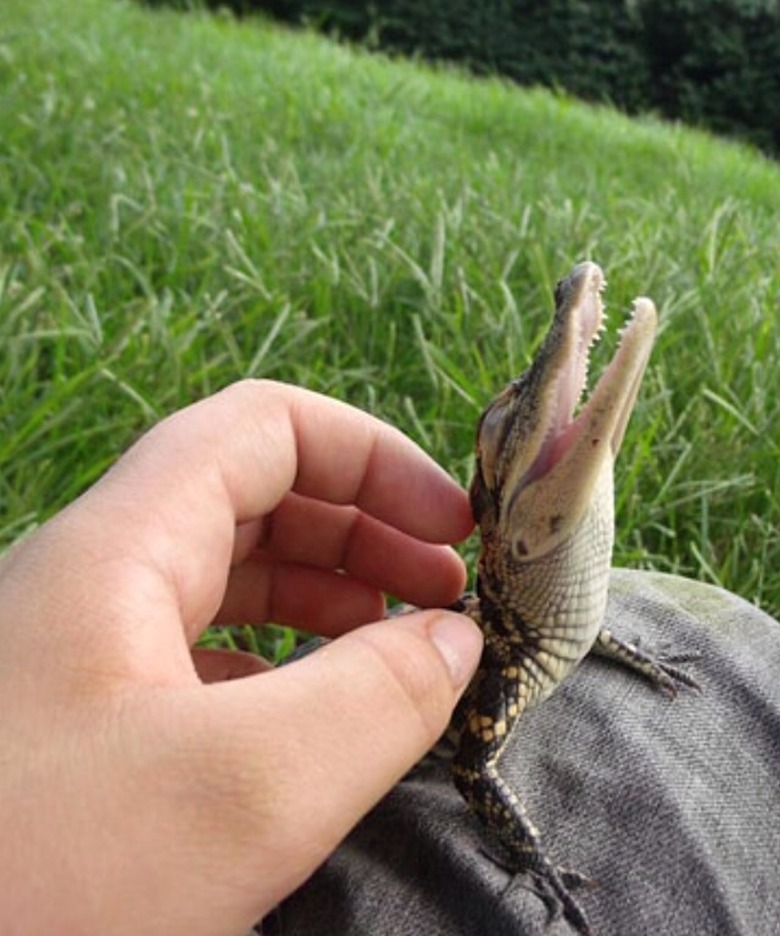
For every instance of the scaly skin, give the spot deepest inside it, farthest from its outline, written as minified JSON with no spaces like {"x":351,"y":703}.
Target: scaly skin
{"x":542,"y":496}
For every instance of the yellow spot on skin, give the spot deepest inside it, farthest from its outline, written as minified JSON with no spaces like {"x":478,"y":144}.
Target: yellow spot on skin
{"x":512,"y":711}
{"x":500,"y":728}
{"x":485,"y":720}
{"x":487,"y":735}
{"x":511,"y":672}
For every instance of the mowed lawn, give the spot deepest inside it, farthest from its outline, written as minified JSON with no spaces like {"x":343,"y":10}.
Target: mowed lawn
{"x":186,"y":201}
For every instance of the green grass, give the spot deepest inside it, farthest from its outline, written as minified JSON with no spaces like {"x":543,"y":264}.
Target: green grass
{"x":185,"y":201}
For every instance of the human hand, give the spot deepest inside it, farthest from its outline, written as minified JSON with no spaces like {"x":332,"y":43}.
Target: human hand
{"x":137,"y":796}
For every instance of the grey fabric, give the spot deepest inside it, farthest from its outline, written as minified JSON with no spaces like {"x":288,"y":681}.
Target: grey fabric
{"x":671,"y":806}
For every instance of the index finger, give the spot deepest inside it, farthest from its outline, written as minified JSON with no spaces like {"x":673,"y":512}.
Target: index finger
{"x":232,"y":458}
{"x":263,"y":439}
{"x":271,"y":438}
{"x":345,"y":456}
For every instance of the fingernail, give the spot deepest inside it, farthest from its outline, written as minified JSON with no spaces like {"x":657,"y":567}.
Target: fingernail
{"x":459,"y":641}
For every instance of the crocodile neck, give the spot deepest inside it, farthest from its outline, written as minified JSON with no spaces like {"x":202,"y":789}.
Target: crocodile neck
{"x":545,"y":615}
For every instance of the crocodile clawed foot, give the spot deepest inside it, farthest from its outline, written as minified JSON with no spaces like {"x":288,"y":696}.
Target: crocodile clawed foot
{"x":554,"y":887}
{"x":663,"y":675}
{"x":668,"y":678}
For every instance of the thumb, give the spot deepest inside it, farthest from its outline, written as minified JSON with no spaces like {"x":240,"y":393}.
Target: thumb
{"x":314,"y":745}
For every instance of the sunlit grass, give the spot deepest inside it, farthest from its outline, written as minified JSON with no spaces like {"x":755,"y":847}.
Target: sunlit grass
{"x":185,"y":201}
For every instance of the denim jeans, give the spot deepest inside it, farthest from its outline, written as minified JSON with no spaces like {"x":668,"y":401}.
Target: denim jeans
{"x":670,"y":806}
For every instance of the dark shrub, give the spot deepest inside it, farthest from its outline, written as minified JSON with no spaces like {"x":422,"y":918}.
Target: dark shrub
{"x":714,"y":63}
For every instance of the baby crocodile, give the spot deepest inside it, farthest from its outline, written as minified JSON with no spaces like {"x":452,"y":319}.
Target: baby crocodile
{"x":542,"y":497}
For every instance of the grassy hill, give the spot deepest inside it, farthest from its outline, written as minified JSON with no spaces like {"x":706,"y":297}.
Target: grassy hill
{"x":185,"y":201}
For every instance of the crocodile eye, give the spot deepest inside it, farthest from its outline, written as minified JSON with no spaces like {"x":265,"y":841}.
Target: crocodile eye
{"x":494,"y":426}
{"x":492,"y":433}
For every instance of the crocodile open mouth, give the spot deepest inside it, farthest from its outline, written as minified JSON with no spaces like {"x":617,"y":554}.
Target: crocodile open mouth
{"x":541,"y":453}
{"x":572,"y":421}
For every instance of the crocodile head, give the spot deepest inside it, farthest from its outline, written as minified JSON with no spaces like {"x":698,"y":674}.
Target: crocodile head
{"x":542,"y":490}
